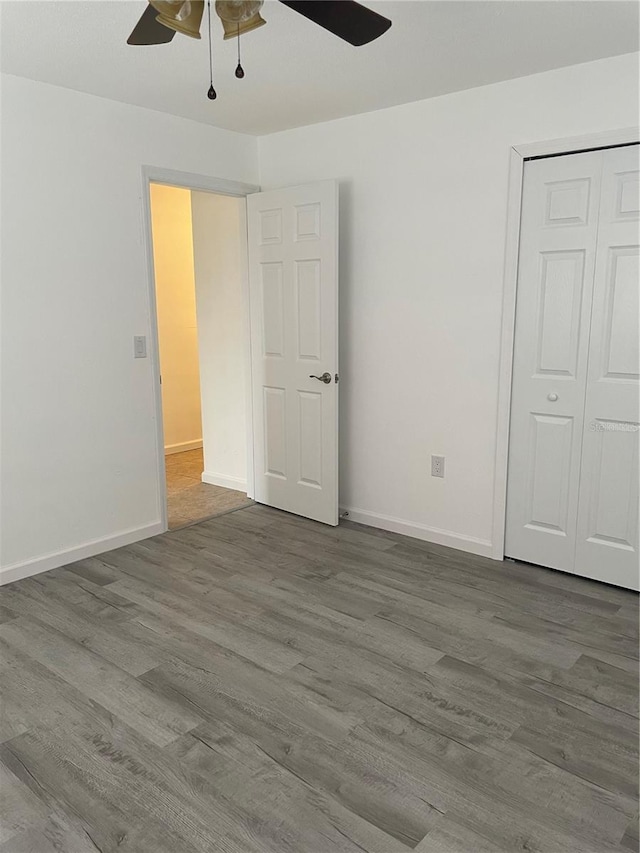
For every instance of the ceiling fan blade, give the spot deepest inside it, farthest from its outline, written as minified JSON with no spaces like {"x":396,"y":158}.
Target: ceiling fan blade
{"x":344,"y":18}
{"x":149,"y":31}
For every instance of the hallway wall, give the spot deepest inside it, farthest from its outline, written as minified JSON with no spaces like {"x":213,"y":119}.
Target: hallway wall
{"x":219,"y":246}
{"x":176,"y":307}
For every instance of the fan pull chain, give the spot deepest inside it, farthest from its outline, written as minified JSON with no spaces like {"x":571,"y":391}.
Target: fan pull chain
{"x":239,"y":68}
{"x":211,"y":94}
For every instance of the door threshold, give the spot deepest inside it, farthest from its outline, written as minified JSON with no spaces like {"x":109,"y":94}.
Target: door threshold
{"x":249,"y":504}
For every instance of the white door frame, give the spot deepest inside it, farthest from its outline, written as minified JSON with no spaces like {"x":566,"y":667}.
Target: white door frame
{"x":518,"y":155}
{"x":220,"y":186}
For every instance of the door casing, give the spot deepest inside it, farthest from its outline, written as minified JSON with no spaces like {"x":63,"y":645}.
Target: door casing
{"x":219,"y":186}
{"x":518,"y":155}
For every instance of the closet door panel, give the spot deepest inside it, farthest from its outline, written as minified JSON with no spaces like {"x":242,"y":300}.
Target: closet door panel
{"x":555,"y":280}
{"x":607,"y":530}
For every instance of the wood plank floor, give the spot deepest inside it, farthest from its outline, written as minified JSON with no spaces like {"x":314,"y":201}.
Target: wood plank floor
{"x":261,"y":683}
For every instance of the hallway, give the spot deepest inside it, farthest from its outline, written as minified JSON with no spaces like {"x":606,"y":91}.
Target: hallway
{"x":188,"y":498}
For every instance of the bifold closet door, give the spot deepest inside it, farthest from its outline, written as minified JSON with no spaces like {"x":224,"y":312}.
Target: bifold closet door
{"x":607,"y":536}
{"x":572,"y":500}
{"x":558,"y":235}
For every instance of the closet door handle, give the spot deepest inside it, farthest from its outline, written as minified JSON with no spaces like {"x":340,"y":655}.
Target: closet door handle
{"x":552,"y":397}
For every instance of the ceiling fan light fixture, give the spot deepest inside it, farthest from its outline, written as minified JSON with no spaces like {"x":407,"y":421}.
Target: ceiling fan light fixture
{"x":231,"y":29}
{"x":183,"y":16}
{"x":237,"y":11}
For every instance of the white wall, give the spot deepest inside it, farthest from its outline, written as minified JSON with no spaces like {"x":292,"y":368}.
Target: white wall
{"x":176,"y":311}
{"x":423,"y":217}
{"x":423,"y":213}
{"x":219,"y":247}
{"x":78,"y":431}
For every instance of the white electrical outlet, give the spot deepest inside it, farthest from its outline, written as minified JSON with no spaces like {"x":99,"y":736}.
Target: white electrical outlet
{"x":437,"y":466}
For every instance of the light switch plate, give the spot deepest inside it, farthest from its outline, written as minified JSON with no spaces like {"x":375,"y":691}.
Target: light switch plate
{"x":140,"y":346}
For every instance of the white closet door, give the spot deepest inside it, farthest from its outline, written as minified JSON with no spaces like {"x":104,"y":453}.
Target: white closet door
{"x":555,"y":278}
{"x":607,"y":541}
{"x":293,"y":291}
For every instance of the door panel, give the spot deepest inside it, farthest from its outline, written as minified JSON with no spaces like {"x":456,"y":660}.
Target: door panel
{"x":310,"y":438}
{"x":561,"y":285}
{"x":621,"y":341}
{"x":272,"y":310}
{"x":275,"y":432}
{"x":293,"y":284}
{"x":307,"y":292}
{"x":549,"y":473}
{"x":555,"y":279}
{"x":607,"y":539}
{"x":610,"y":490}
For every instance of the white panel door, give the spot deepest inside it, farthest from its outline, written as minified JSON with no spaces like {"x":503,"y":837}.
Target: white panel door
{"x":607,"y":540}
{"x":293,"y":290}
{"x":558,"y":237}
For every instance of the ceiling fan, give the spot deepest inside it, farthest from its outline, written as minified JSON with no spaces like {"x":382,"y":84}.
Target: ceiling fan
{"x":346,"y":19}
{"x":162,"y":19}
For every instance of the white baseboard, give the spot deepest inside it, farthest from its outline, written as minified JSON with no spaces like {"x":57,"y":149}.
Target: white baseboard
{"x":18,"y":571}
{"x":470,"y":544}
{"x":214,"y":479}
{"x":182,"y":446}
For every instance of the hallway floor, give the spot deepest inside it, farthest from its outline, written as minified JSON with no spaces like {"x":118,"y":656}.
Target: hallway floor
{"x":188,"y":498}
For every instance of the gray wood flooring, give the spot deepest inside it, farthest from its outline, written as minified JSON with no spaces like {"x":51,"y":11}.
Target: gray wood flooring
{"x":259,"y":683}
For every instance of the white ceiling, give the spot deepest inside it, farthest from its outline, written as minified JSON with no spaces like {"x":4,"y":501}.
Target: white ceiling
{"x":296,"y":72}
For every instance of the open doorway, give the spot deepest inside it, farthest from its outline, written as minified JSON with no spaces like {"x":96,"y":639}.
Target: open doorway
{"x":199,"y":261}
